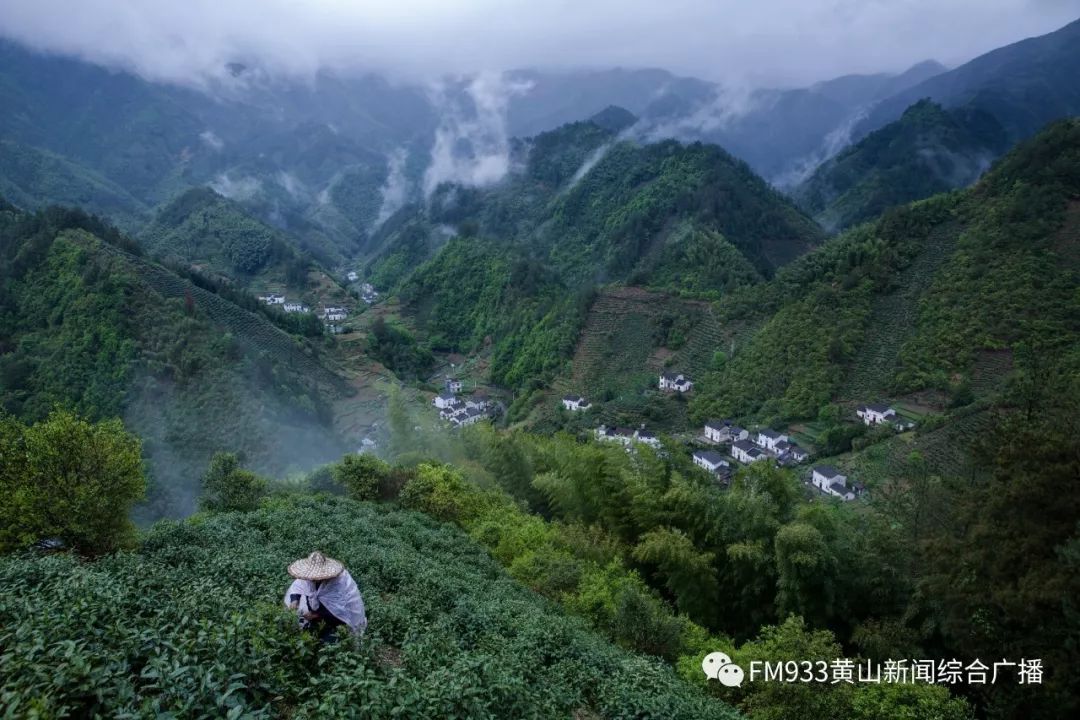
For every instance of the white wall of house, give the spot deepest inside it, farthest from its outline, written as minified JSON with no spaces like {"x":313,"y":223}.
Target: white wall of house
{"x":770,"y":442}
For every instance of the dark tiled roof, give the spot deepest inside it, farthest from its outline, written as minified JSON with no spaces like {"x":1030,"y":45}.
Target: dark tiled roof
{"x":713,"y":458}
{"x":828,"y":471}
{"x":772,"y":434}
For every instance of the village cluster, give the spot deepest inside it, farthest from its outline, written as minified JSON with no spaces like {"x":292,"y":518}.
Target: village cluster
{"x":744,"y":446}
{"x":330,"y":315}
{"x":461,"y":411}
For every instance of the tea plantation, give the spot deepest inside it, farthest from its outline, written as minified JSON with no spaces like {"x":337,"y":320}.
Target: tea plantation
{"x":190,"y":625}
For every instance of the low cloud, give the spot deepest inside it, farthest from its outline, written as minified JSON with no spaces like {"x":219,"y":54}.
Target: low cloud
{"x":767,"y":42}
{"x":241,"y":188}
{"x":472,"y":144}
{"x":395,"y":191}
{"x":212,"y":140}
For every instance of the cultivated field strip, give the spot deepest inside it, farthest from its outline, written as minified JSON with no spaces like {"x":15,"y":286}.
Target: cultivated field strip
{"x":893,"y":318}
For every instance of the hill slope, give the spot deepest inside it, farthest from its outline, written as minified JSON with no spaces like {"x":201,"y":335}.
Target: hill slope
{"x":33,"y":178}
{"x":584,"y":208}
{"x":87,"y":324}
{"x":204,"y":229}
{"x":191,"y":623}
{"x":927,"y":151}
{"x":914,"y":300}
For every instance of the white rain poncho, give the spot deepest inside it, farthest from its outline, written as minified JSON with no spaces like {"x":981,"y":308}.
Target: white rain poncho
{"x":339,"y":595}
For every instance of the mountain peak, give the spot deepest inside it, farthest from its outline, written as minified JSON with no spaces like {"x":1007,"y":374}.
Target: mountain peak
{"x":614,"y":118}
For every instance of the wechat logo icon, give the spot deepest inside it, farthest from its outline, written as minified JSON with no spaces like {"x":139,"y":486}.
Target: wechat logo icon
{"x":718,"y":666}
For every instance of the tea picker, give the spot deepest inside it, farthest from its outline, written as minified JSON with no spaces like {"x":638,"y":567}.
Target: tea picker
{"x":325,"y":597}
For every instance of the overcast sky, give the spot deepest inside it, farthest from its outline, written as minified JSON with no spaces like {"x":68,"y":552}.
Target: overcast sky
{"x":756,"y":42}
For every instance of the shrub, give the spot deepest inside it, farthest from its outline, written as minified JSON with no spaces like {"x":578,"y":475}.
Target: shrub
{"x":360,"y":475}
{"x":226,"y":486}
{"x":68,"y":478}
{"x":439,"y":491}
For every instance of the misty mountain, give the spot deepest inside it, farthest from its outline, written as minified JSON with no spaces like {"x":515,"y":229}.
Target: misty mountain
{"x":1024,"y":85}
{"x":927,"y":151}
{"x":558,"y":98}
{"x":298,"y":154}
{"x":88,"y":323}
{"x":784,"y":134}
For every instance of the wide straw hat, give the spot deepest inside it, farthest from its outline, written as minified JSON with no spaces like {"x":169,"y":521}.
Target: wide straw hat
{"x":316,"y":566}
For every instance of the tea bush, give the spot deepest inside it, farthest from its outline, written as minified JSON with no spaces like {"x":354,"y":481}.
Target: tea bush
{"x":190,"y":625}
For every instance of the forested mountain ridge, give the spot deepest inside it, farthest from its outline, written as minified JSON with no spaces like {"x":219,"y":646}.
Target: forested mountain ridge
{"x":927,"y":151}
{"x":87,"y":323}
{"x":587,"y":207}
{"x":1024,"y":86}
{"x":994,"y":269}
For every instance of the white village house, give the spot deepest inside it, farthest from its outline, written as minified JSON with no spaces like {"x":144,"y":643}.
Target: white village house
{"x":352,"y":276}
{"x":718,"y":431}
{"x":575,"y":403}
{"x":675,"y":382}
{"x":295,"y":307}
{"x":770,"y":439}
{"x":831,"y":481}
{"x":453,"y":385}
{"x":647,"y":438}
{"x":335,"y":314}
{"x":443,"y":400}
{"x":875,"y":414}
{"x":738,"y":433}
{"x":710,"y":460}
{"x":615,"y":434}
{"x":273,"y":299}
{"x":747,"y":452}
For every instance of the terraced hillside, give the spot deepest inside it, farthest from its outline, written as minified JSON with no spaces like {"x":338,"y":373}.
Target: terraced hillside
{"x":893,"y":317}
{"x":621,"y":344}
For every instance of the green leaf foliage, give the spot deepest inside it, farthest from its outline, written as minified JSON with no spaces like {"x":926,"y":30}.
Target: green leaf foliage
{"x":191,"y":624}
